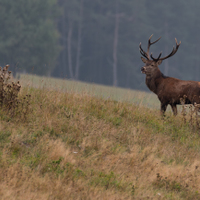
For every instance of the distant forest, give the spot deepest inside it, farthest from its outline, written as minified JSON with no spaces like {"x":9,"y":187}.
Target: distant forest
{"x":98,"y":41}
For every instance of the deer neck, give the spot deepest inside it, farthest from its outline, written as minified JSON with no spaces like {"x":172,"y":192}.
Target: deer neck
{"x":153,"y":80}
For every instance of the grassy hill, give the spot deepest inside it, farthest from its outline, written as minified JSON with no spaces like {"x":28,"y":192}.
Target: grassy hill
{"x":105,"y":92}
{"x":79,"y":145}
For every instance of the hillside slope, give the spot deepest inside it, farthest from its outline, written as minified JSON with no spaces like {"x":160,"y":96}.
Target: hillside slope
{"x":148,"y":99}
{"x":75,"y":146}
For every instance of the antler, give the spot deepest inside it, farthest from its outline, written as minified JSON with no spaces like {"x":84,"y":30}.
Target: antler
{"x":146,"y":54}
{"x":174,"y":50}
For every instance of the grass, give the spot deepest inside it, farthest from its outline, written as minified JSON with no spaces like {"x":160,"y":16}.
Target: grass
{"x":74,"y":145}
{"x":105,"y":92}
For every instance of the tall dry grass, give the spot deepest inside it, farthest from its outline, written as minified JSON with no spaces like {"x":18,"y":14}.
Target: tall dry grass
{"x":76,"y":146}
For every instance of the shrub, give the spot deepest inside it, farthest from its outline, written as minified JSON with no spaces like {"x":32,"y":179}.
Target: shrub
{"x":10,"y":103}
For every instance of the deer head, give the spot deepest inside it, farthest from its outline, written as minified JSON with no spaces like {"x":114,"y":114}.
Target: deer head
{"x":151,"y":63}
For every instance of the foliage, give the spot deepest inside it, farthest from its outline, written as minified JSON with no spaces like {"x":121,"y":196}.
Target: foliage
{"x":10,"y":103}
{"x":75,"y":39}
{"x":28,"y":35}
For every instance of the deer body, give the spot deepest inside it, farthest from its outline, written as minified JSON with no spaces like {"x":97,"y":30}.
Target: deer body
{"x":169,"y":90}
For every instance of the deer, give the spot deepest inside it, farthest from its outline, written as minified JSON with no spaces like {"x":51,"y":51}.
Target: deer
{"x":170,"y":91}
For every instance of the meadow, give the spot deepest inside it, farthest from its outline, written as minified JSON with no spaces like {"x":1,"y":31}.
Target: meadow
{"x":105,"y":92}
{"x":85,"y":141}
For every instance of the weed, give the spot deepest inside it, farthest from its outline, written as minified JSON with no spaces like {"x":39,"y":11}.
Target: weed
{"x":10,"y":102}
{"x":133,"y":190}
{"x":174,"y":186}
{"x":109,"y":181}
{"x":54,"y":166}
{"x":116,"y":121}
{"x":57,"y":161}
{"x":163,"y":182}
{"x":183,"y":112}
{"x":79,"y":173}
{"x":105,"y":180}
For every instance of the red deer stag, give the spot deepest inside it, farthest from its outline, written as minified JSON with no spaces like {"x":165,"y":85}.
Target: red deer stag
{"x":169,"y":90}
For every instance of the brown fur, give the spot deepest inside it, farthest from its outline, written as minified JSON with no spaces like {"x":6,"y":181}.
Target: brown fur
{"x":169,"y":90}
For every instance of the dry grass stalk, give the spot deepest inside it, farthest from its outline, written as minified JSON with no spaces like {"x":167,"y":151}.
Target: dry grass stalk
{"x":184,"y":107}
{"x":193,"y":117}
{"x":9,"y":95}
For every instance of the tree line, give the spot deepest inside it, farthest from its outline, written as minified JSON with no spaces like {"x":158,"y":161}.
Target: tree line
{"x":98,"y":41}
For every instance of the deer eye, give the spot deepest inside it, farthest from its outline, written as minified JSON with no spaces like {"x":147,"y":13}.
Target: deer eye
{"x":152,"y":65}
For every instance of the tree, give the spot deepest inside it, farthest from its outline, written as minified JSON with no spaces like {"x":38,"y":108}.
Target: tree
{"x":71,"y":35}
{"x":29,"y":39}
{"x":101,"y":38}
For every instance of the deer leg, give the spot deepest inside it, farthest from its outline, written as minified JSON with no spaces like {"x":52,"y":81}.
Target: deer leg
{"x":174,"y":108}
{"x":163,"y":108}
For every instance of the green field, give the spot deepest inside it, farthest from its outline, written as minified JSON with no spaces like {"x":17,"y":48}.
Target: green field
{"x":77,"y":142}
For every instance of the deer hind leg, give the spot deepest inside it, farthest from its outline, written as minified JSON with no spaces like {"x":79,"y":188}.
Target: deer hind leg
{"x":163,"y":108}
{"x":174,"y":108}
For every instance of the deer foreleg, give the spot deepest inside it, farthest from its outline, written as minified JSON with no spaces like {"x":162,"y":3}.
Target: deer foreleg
{"x":174,"y":108}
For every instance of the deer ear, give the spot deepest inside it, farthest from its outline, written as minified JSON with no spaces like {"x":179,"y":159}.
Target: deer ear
{"x":143,"y":60}
{"x":159,"y":62}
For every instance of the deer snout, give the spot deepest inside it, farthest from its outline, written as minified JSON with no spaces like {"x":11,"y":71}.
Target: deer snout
{"x":143,"y":69}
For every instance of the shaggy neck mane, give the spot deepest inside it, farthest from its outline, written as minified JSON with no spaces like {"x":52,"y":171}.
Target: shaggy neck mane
{"x":152,"y":80}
